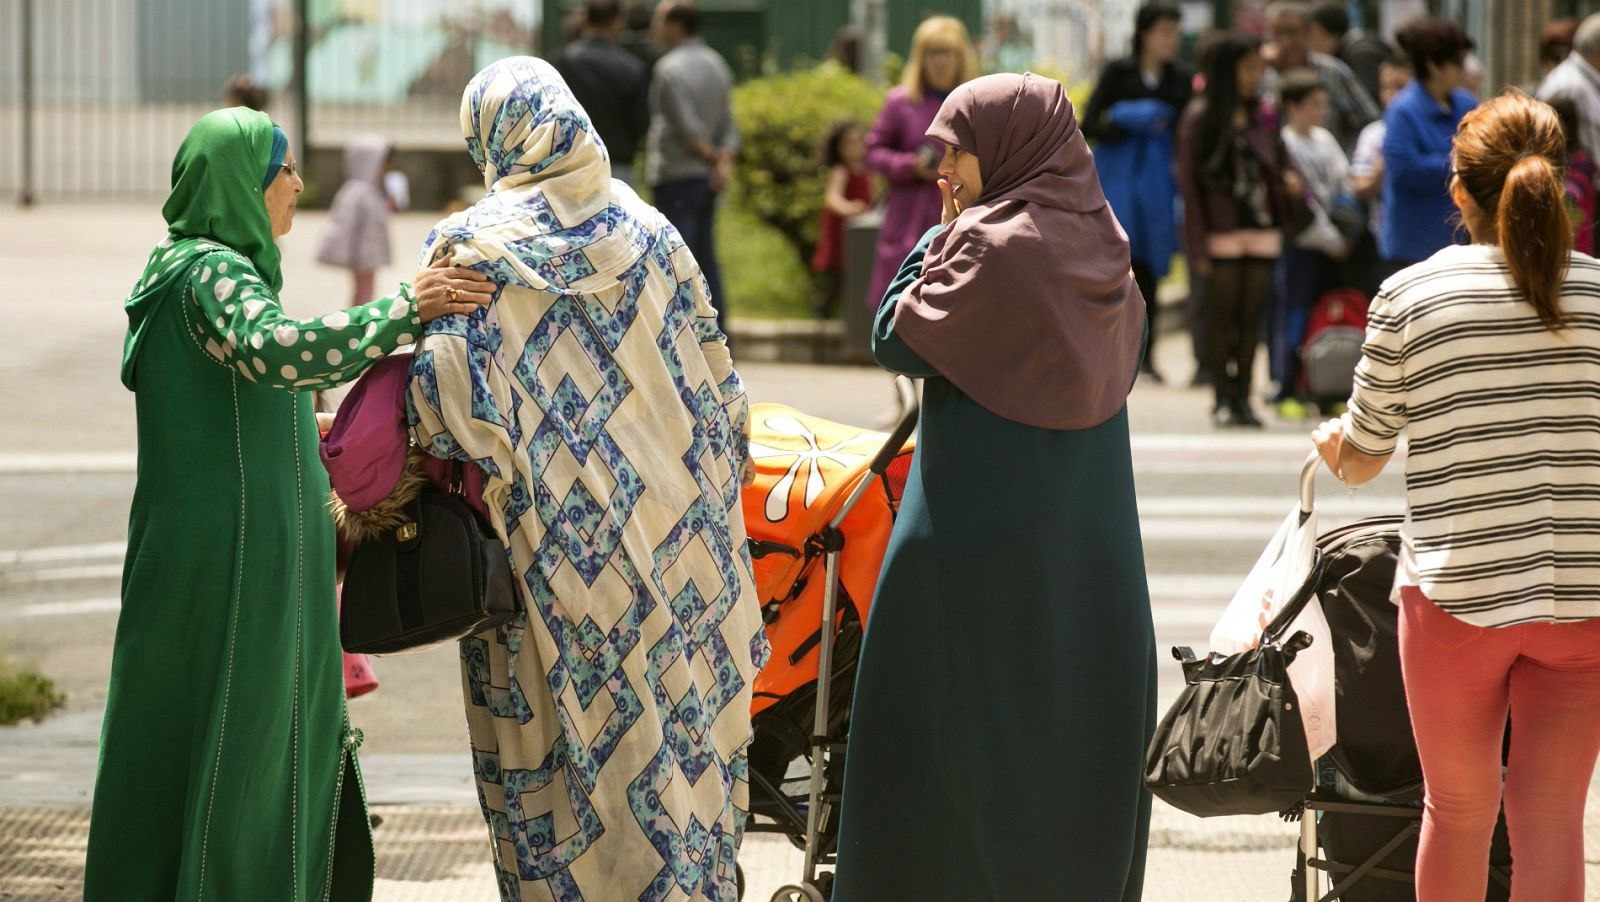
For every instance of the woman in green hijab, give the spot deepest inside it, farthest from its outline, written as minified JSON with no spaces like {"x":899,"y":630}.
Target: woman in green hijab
{"x":227,"y":766}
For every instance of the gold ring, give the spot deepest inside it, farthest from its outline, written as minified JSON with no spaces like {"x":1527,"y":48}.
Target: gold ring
{"x":453,"y":294}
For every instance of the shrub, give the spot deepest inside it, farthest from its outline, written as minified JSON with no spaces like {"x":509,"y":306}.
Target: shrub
{"x":26,"y":694}
{"x":761,"y":276}
{"x":782,"y":121}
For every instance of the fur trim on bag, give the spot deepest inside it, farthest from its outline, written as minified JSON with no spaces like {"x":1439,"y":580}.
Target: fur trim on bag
{"x":384,"y":517}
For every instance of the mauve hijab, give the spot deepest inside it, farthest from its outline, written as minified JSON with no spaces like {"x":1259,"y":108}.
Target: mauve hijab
{"x":1026,"y":301}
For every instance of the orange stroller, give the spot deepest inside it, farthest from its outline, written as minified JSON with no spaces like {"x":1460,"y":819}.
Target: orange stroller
{"x":819,"y":516}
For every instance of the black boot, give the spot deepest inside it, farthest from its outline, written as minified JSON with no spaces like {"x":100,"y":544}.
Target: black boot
{"x":1240,"y":401}
{"x":1222,"y":410}
{"x":1244,"y":416}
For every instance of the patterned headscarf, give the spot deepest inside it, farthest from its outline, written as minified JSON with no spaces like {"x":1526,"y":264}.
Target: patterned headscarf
{"x":553,"y":220}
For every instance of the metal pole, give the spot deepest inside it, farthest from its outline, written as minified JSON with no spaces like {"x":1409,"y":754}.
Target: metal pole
{"x":821,"y":755}
{"x":874,"y":37}
{"x":26,"y":198}
{"x":1308,"y":845}
{"x":302,"y":92}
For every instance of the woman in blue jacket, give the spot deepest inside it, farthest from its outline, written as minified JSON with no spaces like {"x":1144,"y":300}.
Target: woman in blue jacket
{"x":1131,"y":117}
{"x":1421,"y":124}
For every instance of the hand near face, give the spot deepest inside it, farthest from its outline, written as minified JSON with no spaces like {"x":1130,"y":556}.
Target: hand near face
{"x":952,"y":207}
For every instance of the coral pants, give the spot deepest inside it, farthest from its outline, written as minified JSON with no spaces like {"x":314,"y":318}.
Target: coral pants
{"x":1460,"y":682}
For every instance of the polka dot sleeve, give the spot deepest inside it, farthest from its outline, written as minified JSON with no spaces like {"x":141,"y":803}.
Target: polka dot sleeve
{"x":235,"y":318}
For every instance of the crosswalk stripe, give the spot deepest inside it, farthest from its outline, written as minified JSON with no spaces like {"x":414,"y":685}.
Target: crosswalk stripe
{"x":1150,"y":450}
{"x":1291,"y":443}
{"x":1275,"y":507}
{"x":63,"y":574}
{"x":28,"y":464}
{"x":1218,"y":587}
{"x":58,"y":553}
{"x":70,"y":608}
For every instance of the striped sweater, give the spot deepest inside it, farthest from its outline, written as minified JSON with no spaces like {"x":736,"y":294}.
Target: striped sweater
{"x":1502,"y":419}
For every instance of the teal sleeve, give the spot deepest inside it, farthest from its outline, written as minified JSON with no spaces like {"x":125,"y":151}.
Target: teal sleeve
{"x":890,"y":349}
{"x":236,"y":319}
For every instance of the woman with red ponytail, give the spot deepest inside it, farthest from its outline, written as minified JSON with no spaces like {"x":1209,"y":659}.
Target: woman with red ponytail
{"x":1488,"y":356}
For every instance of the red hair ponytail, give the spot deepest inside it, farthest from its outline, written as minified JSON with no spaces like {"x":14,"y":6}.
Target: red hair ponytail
{"x":1510,"y":155}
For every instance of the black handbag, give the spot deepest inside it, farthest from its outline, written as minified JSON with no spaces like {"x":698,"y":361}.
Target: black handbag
{"x":1233,"y":742}
{"x":439,"y":576}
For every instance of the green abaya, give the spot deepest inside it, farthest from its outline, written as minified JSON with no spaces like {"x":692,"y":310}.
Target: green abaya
{"x":227,"y":766}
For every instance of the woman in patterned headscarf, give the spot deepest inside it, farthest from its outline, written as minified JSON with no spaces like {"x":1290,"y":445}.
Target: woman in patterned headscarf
{"x":609,"y":722}
{"x":226,"y":761}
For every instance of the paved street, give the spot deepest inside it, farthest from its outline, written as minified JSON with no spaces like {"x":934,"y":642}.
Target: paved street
{"x":1208,"y":502}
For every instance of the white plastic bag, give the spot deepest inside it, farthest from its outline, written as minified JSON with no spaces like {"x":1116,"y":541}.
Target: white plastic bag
{"x":1280,"y":571}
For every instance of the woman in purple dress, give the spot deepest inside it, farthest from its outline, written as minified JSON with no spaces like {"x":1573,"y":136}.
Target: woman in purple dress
{"x":942,"y":57}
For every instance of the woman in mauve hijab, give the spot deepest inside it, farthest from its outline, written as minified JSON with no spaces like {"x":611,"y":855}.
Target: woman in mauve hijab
{"x":1007,"y":685}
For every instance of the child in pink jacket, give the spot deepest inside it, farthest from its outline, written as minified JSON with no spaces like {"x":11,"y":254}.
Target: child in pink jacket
{"x":357,"y":238}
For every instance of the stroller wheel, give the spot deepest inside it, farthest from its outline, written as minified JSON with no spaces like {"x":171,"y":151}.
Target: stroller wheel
{"x":802,"y":892}
{"x":738,"y":875}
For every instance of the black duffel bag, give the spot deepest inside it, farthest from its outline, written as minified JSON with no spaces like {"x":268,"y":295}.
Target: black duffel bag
{"x":1233,"y":742}
{"x":442,"y":575}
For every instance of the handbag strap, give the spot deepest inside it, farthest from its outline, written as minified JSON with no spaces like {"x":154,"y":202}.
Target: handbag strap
{"x":1297,"y":603}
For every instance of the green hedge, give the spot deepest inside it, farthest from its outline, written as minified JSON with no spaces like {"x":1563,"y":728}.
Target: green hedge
{"x":782,"y":121}
{"x":761,"y":276}
{"x":768,"y":228}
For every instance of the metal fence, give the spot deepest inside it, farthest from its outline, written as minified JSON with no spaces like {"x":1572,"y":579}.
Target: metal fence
{"x":95,"y":95}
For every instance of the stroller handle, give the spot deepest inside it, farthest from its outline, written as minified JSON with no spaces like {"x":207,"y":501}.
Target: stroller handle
{"x":902,"y":430}
{"x":1308,"y":483}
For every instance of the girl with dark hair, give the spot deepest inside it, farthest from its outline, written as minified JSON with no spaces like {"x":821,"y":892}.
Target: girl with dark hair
{"x":1130,"y":119}
{"x":1416,"y":143}
{"x":1488,"y":357}
{"x":1236,"y":180}
{"x":849,"y":192}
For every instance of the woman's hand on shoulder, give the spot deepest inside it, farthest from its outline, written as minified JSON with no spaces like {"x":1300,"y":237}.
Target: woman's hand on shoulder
{"x":442,"y":289}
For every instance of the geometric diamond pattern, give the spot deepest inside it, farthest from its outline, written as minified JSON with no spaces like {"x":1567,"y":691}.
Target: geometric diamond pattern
{"x":609,"y":722}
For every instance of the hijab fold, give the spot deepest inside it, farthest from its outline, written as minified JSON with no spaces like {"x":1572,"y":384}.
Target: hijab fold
{"x":1027,"y":301}
{"x":553,"y":220}
{"x":216,"y":201}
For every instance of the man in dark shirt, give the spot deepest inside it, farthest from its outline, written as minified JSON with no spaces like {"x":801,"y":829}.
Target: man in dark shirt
{"x":1328,"y":31}
{"x":611,"y":83}
{"x":637,"y":37}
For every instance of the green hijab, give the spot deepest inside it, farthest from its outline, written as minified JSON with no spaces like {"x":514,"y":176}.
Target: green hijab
{"x":216,"y":200}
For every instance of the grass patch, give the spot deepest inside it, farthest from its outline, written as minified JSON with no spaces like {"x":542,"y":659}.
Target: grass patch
{"x":760,"y":272}
{"x":26,"y":694}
